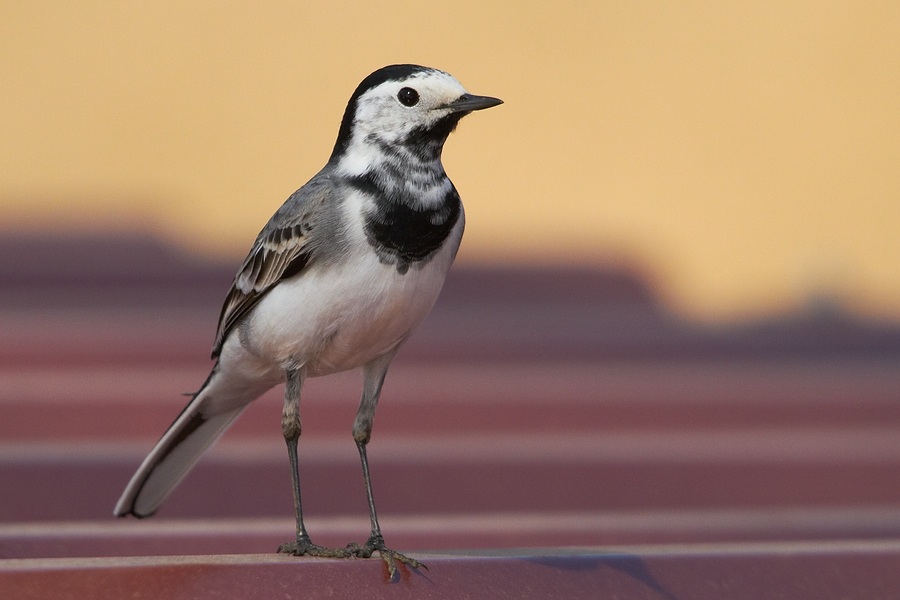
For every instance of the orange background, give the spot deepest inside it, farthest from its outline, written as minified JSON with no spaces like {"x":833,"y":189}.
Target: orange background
{"x":746,"y":155}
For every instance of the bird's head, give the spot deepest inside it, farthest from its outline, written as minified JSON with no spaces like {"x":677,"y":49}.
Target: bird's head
{"x":402,"y":110}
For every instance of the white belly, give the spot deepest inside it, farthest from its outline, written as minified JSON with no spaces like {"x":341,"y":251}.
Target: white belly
{"x":340,"y":317}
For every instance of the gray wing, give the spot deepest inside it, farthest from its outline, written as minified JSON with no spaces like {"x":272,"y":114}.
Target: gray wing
{"x":283,"y":249}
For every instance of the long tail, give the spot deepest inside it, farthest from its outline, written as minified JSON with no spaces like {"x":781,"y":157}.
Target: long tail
{"x":202,"y":421}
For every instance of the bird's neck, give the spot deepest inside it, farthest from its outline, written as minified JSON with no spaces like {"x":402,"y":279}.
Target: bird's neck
{"x":397,"y":175}
{"x":414,"y":206}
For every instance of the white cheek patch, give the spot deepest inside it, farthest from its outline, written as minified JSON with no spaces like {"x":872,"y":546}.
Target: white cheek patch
{"x":380,"y":116}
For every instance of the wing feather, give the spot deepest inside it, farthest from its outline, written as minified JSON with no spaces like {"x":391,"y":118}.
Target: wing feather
{"x":281,"y":250}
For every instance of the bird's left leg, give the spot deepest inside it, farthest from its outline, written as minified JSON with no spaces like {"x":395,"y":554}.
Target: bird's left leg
{"x":290,"y":426}
{"x":373,"y":378}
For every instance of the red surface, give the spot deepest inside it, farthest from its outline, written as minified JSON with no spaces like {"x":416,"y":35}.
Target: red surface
{"x":465,"y":454}
{"x":736,"y":572}
{"x":469,"y":456}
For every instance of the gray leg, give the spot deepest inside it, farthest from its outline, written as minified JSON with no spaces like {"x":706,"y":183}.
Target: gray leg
{"x":290,"y":427}
{"x":373,"y":375}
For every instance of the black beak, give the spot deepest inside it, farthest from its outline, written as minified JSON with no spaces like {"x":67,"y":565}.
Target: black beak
{"x":469,"y":102}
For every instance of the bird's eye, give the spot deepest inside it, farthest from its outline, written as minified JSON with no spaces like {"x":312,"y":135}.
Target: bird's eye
{"x":408,"y":96}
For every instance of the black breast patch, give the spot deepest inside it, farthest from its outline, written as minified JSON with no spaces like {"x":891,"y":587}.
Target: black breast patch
{"x":399,"y":232}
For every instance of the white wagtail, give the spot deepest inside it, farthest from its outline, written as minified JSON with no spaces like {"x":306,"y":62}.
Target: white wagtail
{"x":338,"y":278}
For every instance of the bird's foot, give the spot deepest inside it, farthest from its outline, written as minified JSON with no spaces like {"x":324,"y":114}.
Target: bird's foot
{"x":304,"y":547}
{"x":391,"y":557}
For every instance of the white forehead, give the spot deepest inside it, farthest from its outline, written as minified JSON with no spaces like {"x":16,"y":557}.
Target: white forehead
{"x":435,"y":88}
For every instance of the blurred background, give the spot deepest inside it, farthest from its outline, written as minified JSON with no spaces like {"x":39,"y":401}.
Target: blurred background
{"x":675,"y":314}
{"x":746,"y":157}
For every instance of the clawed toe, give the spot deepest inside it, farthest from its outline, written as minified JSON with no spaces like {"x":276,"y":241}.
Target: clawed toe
{"x":304,"y":547}
{"x":391,"y":557}
{"x":358,"y":551}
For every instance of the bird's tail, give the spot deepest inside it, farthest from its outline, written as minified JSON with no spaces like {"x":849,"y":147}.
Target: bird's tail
{"x":203,"y":420}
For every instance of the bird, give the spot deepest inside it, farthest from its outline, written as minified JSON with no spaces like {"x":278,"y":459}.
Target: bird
{"x":338,"y":279}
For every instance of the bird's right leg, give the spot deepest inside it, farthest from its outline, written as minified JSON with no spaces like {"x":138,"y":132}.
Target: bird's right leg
{"x":373,"y":375}
{"x":290,"y":427}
